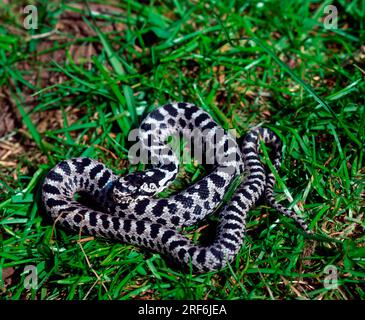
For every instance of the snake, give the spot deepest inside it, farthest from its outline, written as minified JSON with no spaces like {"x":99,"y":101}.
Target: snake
{"x":129,"y":208}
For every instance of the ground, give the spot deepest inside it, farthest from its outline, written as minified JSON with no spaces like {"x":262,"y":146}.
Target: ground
{"x":80,"y":81}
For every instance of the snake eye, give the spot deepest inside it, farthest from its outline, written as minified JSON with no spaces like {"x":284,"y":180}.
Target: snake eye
{"x":152,"y":186}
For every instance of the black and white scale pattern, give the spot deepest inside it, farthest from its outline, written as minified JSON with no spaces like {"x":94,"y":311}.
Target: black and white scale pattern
{"x":132,"y":215}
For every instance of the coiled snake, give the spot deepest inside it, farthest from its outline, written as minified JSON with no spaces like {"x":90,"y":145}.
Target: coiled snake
{"x":129,"y":211}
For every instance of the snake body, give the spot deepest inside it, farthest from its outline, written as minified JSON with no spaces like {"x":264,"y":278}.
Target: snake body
{"x":129,"y":211}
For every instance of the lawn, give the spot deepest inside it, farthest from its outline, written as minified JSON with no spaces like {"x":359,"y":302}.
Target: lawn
{"x":79,"y":82}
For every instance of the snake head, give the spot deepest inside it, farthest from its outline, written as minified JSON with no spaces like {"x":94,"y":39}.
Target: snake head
{"x":132,"y":187}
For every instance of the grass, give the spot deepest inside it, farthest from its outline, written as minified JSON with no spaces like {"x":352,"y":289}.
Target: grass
{"x":89,"y":73}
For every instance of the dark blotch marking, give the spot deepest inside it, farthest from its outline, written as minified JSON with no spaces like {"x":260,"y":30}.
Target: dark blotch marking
{"x":171,"y":110}
{"x":175,"y":220}
{"x":167,"y":235}
{"x":161,"y":221}
{"x":181,"y":253}
{"x":77,"y":218}
{"x":104,"y":179}
{"x":186,"y":201}
{"x":229,"y":217}
{"x":127,"y":226}
{"x":170,"y":166}
{"x":158,"y":208}
{"x":246,"y":194}
{"x":256,"y":177}
{"x":172,"y":208}
{"x":201,"y":118}
{"x":216,"y":197}
{"x":121,"y":214}
{"x":93,"y":219}
{"x":186,"y":215}
{"x":182,"y":122}
{"x":94,"y":171}
{"x":51,"y":189}
{"x":82,"y":182}
{"x":91,"y":188}
{"x":241,"y":204}
{"x":228,"y":245}
{"x":105,"y":221}
{"x":177,"y":243}
{"x":201,"y":188}
{"x":209,"y":125}
{"x":252,"y":187}
{"x":197,"y":210}
{"x":140,"y":226}
{"x":83,"y":211}
{"x":151,"y":244}
{"x":53,"y":202}
{"x":252,"y":137}
{"x":206,"y":205}
{"x":205,"y":269}
{"x":252,"y":158}
{"x":181,"y":104}
{"x":232,"y":226}
{"x":155,"y":229}
{"x":156,"y":115}
{"x":191,"y":251}
{"x":81,"y":164}
{"x":217,"y":180}
{"x":116,"y":223}
{"x":201,"y":256}
{"x":217,"y":253}
{"x":229,"y":237}
{"x":69,"y":182}
{"x":85,"y":162}
{"x":55,"y":176}
{"x":190,"y":111}
{"x":247,"y":150}
{"x":146,"y":126}
{"x":65,"y":167}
